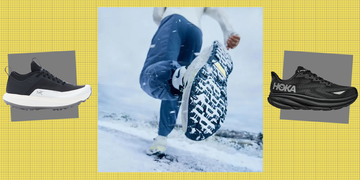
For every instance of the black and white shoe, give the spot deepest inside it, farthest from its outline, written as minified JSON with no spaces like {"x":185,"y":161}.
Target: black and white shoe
{"x":39,"y":89}
{"x":307,"y":91}
{"x":178,"y":78}
{"x":204,"y":98}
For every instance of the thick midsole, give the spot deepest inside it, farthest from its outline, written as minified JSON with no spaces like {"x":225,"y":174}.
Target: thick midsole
{"x":296,"y":99}
{"x":36,"y":101}
{"x":192,"y":72}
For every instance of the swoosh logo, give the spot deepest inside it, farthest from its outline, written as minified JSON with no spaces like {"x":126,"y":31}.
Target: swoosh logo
{"x":178,"y":74}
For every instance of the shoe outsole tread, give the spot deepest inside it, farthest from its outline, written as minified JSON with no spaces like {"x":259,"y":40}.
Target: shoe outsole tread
{"x":208,"y":97}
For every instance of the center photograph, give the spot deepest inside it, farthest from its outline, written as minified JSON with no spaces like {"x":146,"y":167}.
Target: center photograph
{"x":180,"y":89}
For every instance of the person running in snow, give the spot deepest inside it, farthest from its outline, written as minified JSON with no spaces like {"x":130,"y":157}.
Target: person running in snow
{"x":173,"y":48}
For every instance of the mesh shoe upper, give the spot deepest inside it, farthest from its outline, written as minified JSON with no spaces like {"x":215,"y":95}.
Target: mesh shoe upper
{"x":25,"y":84}
{"x":307,"y":83}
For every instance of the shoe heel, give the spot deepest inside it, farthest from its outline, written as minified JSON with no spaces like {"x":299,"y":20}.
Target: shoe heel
{"x":221,"y":56}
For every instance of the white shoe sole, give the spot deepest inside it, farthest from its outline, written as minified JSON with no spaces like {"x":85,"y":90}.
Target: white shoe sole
{"x":60,"y":101}
{"x":159,"y":150}
{"x":189,"y":76}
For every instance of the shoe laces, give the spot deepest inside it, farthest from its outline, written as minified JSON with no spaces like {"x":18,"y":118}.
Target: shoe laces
{"x":47,"y":74}
{"x":314,"y":77}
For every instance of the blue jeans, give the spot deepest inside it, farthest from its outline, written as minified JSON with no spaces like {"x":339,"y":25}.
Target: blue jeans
{"x":172,"y":46}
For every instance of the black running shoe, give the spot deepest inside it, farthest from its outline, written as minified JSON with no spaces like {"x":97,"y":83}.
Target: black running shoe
{"x":39,"y":89}
{"x":307,"y":91}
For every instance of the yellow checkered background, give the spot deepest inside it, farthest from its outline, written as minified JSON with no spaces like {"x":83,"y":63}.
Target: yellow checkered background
{"x":67,"y":149}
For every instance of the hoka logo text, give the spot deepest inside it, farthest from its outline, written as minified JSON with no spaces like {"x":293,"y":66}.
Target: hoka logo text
{"x":284,"y":87}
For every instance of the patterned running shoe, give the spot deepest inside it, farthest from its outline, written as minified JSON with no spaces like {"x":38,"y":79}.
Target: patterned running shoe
{"x":204,"y":98}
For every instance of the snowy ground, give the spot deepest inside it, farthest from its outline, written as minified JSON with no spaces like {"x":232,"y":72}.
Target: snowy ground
{"x":122,"y":142}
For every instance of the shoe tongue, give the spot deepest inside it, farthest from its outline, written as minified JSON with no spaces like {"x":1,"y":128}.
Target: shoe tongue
{"x":300,"y":69}
{"x":35,"y":66}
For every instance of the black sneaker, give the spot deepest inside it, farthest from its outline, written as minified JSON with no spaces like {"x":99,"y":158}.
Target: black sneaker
{"x":39,"y":89}
{"x":307,"y":91}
